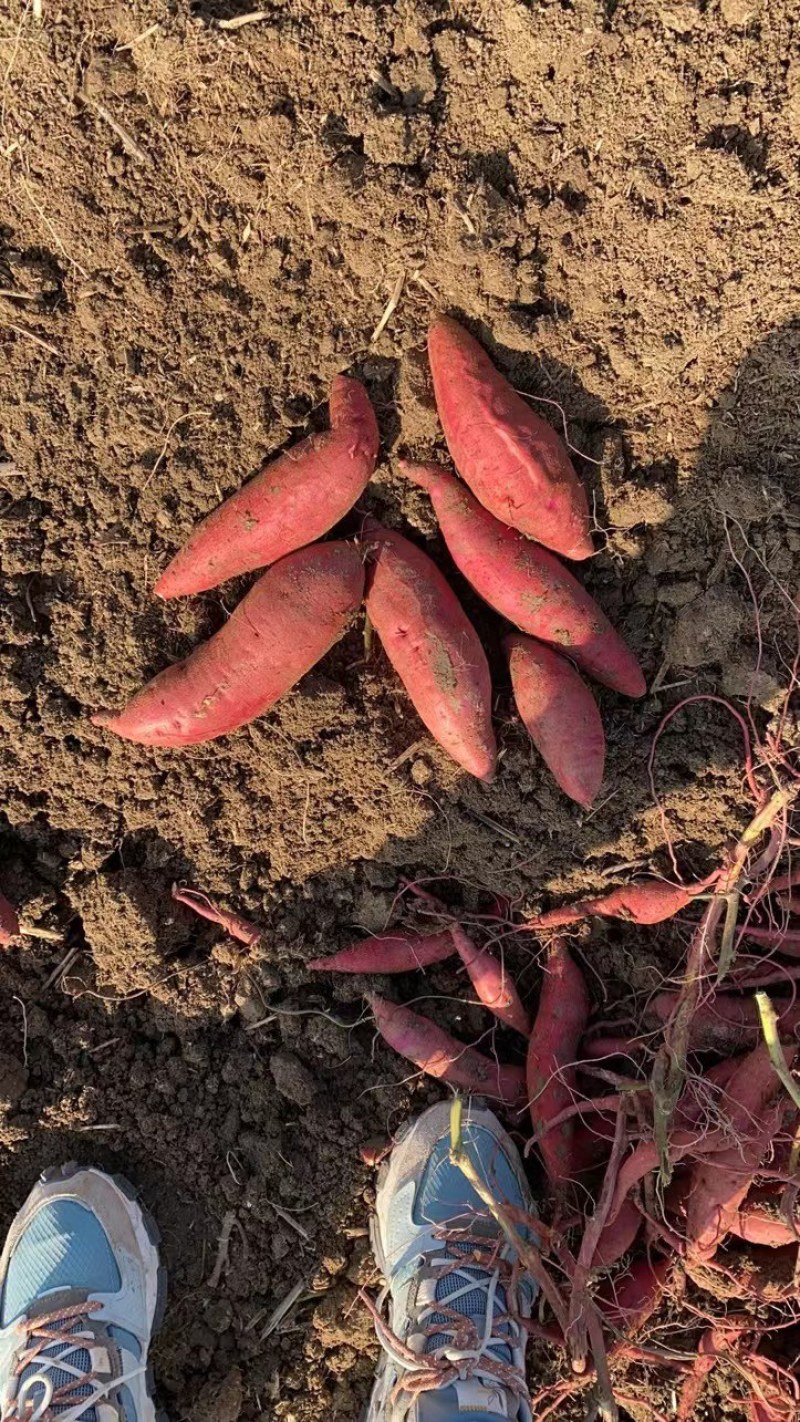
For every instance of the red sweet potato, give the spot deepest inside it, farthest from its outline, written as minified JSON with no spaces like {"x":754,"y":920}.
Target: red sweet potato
{"x":288,"y":621}
{"x":437,"y":1053}
{"x":434,"y":649}
{"x":527,"y":584}
{"x":725,"y":1022}
{"x":628,"y":1302}
{"x":617,"y":1236}
{"x":784,"y":940}
{"x":293,"y":501}
{"x":759,"y":1221}
{"x":560,"y":715}
{"x":644,"y":901}
{"x":721,"y":1181}
{"x":552,"y":1052}
{"x":9,"y":922}
{"x":239,"y":928}
{"x":492,"y":982}
{"x":513,"y":461}
{"x":399,"y":952}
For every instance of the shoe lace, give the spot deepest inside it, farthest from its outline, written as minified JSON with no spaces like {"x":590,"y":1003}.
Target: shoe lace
{"x":469,"y":1351}
{"x":51,"y":1345}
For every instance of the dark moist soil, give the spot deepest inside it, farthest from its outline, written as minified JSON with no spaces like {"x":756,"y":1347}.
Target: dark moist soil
{"x":200,"y":226}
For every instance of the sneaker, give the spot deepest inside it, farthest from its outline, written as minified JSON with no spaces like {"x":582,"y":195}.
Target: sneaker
{"x":81,"y":1293}
{"x":453,"y":1344}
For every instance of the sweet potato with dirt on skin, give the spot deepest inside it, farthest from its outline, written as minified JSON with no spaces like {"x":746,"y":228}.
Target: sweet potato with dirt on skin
{"x":290,"y":618}
{"x":492,"y":982}
{"x":512,"y":459}
{"x":725,"y":1022}
{"x":9,"y":922}
{"x":293,"y":501}
{"x":720,"y":1182}
{"x":438,"y":1054}
{"x":398,"y":952}
{"x":645,"y":901}
{"x":524,"y":582}
{"x":759,"y":1220}
{"x":433,"y":647}
{"x":551,"y":1071}
{"x":560,"y":715}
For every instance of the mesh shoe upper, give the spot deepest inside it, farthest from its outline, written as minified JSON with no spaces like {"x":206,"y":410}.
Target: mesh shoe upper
{"x":454,"y":1345}
{"x":79,"y":1291}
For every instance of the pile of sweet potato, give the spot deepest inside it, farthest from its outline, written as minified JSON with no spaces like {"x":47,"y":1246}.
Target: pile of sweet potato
{"x":519,"y":505}
{"x":672,"y":1151}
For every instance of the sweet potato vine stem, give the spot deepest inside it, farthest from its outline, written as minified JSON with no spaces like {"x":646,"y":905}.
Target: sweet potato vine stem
{"x":528,"y":1253}
{"x":769,"y":1027}
{"x":669,"y":1069}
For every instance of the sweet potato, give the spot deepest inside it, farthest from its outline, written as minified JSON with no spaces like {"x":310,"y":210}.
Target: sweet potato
{"x":725,"y":1022}
{"x":644,"y":901}
{"x":9,"y":922}
{"x":438,"y":1054}
{"x":617,"y":1236}
{"x":552,"y":1052}
{"x":527,"y":584}
{"x":434,"y":649}
{"x":759,"y":1221}
{"x":293,"y":501}
{"x":239,"y":928}
{"x":560,"y":715}
{"x":399,"y":952}
{"x":784,"y":940}
{"x":513,"y":461}
{"x":289,"y":619}
{"x":720,"y":1182}
{"x":627,"y":1302}
{"x":492,"y":982}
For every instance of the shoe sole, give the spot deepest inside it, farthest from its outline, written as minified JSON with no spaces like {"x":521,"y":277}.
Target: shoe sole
{"x":61,"y":1173}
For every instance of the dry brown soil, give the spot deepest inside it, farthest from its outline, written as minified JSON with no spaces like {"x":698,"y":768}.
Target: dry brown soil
{"x":199,"y":226}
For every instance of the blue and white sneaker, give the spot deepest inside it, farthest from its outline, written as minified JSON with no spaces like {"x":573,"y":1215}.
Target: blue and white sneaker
{"x":453,"y":1344}
{"x":81,"y":1293}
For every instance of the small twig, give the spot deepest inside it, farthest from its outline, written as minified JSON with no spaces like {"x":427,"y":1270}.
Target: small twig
{"x":63,"y":967}
{"x":389,"y":309}
{"x":239,"y":21}
{"x":280,"y":1311}
{"x":727,"y":947}
{"x":528,"y":1253}
{"x":105,"y":1126}
{"x":153,"y":29}
{"x":581,"y":1305}
{"x":223,"y":1248}
{"x":37,"y":340}
{"x":48,"y":935}
{"x":126,"y":139}
{"x":24,"y":1030}
{"x":289,"y":1220}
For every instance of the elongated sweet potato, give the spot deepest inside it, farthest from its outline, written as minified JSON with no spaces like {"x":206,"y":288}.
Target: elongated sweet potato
{"x":560,"y":715}
{"x":9,"y":922}
{"x":293,"y":501}
{"x":513,"y":461}
{"x":527,"y":584}
{"x":720,"y":1182}
{"x":492,"y":982}
{"x":759,"y":1221}
{"x":552,"y":1075}
{"x":434,"y":1051}
{"x":644,"y":901}
{"x":627,"y":1302}
{"x":399,"y":952}
{"x":434,"y":649}
{"x":725,"y":1022}
{"x":289,"y":619}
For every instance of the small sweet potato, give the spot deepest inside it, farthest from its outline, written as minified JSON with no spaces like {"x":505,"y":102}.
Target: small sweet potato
{"x":527,"y":584}
{"x":287,"y":622}
{"x":552,"y":1053}
{"x":560,"y":715}
{"x":293,"y":501}
{"x":434,"y":649}
{"x":438,"y":1054}
{"x":513,"y":461}
{"x":644,"y":901}
{"x":492,"y":982}
{"x":725,"y":1022}
{"x":398,"y":952}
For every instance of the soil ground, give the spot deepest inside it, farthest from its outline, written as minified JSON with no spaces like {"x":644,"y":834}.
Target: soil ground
{"x":200,"y":225}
